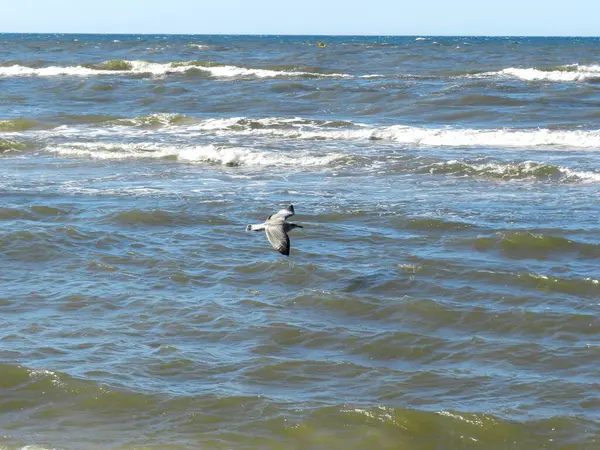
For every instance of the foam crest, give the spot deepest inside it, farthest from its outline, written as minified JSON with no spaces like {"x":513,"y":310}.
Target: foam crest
{"x":36,"y":447}
{"x":439,"y":137}
{"x":297,"y":128}
{"x":7,"y":145}
{"x":17,"y":70}
{"x":514,"y":171}
{"x":568,"y":73}
{"x":235,"y":71}
{"x":226,"y":156}
{"x":488,"y":138}
{"x":124,"y":67}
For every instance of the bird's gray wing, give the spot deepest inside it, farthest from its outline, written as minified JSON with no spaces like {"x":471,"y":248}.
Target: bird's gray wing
{"x":278,"y":238}
{"x":284,"y":213}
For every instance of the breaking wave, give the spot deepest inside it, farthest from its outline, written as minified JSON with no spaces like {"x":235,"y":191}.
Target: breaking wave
{"x":298,"y":128}
{"x":7,"y":145}
{"x":18,"y":124}
{"x":567,"y":73}
{"x":532,"y":245}
{"x":126,"y":67}
{"x":311,"y":129}
{"x":211,"y":154}
{"x":513,"y":171}
{"x":242,"y":156}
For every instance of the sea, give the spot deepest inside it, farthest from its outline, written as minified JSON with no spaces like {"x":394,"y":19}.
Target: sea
{"x":443,"y":293}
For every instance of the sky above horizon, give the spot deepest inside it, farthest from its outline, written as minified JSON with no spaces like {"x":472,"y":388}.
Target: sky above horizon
{"x":324,"y":17}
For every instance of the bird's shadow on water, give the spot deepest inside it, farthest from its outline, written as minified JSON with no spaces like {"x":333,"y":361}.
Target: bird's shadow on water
{"x":380,"y":281}
{"x":361,"y":282}
{"x":302,"y":274}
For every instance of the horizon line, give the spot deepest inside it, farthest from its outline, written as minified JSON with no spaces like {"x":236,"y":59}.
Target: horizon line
{"x":305,"y":35}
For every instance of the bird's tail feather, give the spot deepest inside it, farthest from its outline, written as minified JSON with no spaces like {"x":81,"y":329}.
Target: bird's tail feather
{"x":258,"y":227}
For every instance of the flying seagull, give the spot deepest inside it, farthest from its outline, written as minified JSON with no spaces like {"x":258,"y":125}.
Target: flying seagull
{"x":276,"y":229}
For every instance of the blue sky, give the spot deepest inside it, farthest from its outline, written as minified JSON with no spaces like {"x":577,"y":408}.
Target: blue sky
{"x":383,"y":17}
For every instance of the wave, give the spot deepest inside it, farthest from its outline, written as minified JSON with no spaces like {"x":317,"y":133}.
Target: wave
{"x":567,"y":73}
{"x":18,"y":124}
{"x":226,"y":156}
{"x":7,"y":145}
{"x":158,"y":217}
{"x":64,"y":120}
{"x":232,"y":123}
{"x":152,"y":120}
{"x":127,"y":67}
{"x":15,"y":214}
{"x":513,"y":171}
{"x":315,"y":129}
{"x":531,"y":245}
{"x":43,"y":394}
{"x":34,"y":212}
{"x":443,"y":137}
{"x":434,"y":224}
{"x":549,"y":283}
{"x":240,"y":156}
{"x":439,"y":137}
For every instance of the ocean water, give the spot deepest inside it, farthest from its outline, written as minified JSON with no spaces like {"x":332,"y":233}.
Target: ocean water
{"x":444,"y":291}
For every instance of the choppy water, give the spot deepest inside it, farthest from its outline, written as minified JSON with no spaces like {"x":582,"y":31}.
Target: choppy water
{"x":443,"y":294}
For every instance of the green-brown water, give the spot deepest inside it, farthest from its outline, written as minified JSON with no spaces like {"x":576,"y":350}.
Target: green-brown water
{"x":443,"y":293}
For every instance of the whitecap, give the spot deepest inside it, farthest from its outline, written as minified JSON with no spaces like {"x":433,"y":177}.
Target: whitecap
{"x":159,"y":69}
{"x":297,"y":128}
{"x":568,"y":73}
{"x":226,"y":156}
{"x":520,"y":170}
{"x":439,"y":137}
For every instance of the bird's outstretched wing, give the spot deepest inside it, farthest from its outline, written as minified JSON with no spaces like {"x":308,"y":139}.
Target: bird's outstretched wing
{"x":283,"y":214}
{"x":278,"y":238}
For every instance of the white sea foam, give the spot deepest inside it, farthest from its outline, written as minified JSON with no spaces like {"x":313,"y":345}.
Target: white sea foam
{"x":52,"y":71}
{"x":589,"y":177}
{"x":296,"y":128}
{"x":439,"y":137}
{"x":234,"y":71}
{"x":569,"y":73}
{"x":36,"y":447}
{"x":159,"y":69}
{"x":239,"y":156}
{"x":525,"y":169}
{"x":306,"y":129}
{"x":490,"y":138}
{"x":227,"y":156}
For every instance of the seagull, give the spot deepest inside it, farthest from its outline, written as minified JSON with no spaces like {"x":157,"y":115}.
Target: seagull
{"x":276,"y":229}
